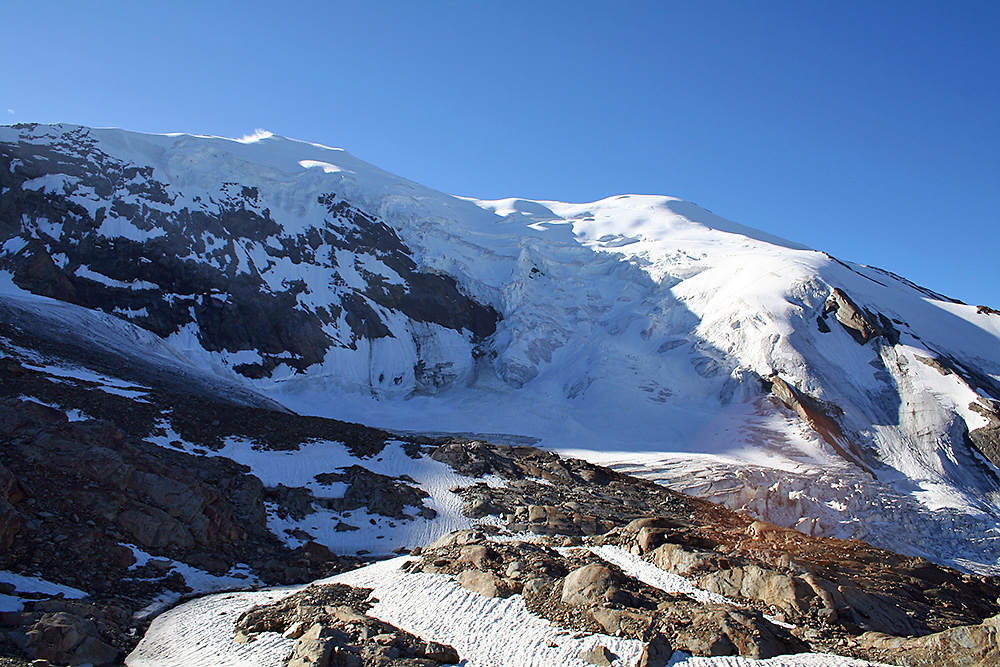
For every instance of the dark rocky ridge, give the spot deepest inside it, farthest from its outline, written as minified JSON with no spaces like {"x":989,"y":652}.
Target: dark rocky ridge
{"x":194,"y":265}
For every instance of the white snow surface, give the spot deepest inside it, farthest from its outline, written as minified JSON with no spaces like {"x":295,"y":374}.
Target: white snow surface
{"x":27,"y":584}
{"x":634,"y":331}
{"x":486,"y":632}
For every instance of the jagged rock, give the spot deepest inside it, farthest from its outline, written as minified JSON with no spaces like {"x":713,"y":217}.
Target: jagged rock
{"x":656,"y":653}
{"x":861,"y":324}
{"x":599,"y":655}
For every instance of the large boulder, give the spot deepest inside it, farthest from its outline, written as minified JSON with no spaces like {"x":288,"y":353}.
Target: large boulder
{"x":591,"y":584}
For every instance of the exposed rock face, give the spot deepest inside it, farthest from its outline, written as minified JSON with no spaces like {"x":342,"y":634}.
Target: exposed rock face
{"x":218,"y":261}
{"x":330,"y":628}
{"x":986,"y":439}
{"x":68,"y":632}
{"x":860,"y":323}
{"x":822,"y":416}
{"x":146,"y":501}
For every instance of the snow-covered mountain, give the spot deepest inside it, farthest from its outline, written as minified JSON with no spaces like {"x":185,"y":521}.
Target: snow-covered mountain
{"x":637,"y":331}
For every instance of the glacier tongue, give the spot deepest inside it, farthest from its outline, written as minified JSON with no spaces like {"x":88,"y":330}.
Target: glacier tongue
{"x":637,"y":330}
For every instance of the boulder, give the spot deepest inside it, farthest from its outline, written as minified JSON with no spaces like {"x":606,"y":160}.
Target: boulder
{"x":591,"y":584}
{"x":717,"y":630}
{"x":599,"y":655}
{"x":66,"y":639}
{"x":776,"y":589}
{"x":656,"y":653}
{"x":441,"y":653}
{"x":682,"y":561}
{"x":457,"y":537}
{"x":484,"y":583}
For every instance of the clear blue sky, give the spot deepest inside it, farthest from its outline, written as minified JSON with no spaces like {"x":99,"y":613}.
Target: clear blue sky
{"x":867,"y":129}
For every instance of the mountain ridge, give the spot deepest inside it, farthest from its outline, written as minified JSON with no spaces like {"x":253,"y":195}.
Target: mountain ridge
{"x":312,"y":274}
{"x":194,"y":331}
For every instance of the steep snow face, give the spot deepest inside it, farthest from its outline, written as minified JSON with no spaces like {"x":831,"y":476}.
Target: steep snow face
{"x":637,"y":330}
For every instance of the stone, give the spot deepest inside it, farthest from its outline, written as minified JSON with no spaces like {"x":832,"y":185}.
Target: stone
{"x":650,"y":537}
{"x":718,"y":630}
{"x":964,"y":646}
{"x":476,"y":554}
{"x":95,"y":652}
{"x":294,"y":630}
{"x":590,"y":584}
{"x":310,"y":653}
{"x":656,"y":653}
{"x":457,"y":537}
{"x":680,"y":560}
{"x":534,"y":586}
{"x":785,"y":592}
{"x":599,"y":655}
{"x":243,"y":638}
{"x":439,"y":652}
{"x":348,"y":615}
{"x":484,"y":583}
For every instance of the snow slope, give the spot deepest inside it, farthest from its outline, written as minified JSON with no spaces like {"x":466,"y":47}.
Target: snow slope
{"x":640,"y":331}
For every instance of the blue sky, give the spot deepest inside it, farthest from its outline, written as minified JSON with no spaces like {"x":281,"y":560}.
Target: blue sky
{"x":867,"y":129}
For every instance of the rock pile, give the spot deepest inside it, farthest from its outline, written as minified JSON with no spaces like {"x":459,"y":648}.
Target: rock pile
{"x":833,"y":591}
{"x":575,"y":589}
{"x":330,"y":629}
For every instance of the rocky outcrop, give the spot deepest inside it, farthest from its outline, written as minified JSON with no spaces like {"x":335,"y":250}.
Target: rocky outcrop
{"x":330,"y":628}
{"x":380,"y":494}
{"x":93,"y":491}
{"x":68,"y":632}
{"x":860,"y":323}
{"x":966,"y":646}
{"x":986,"y":439}
{"x":221,"y":262}
{"x":823,"y":416}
